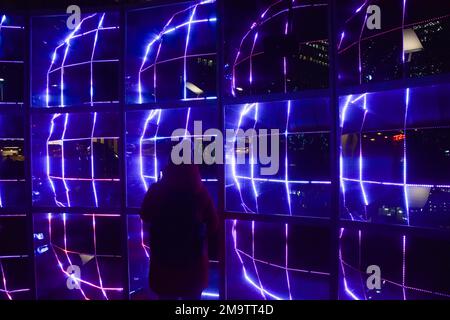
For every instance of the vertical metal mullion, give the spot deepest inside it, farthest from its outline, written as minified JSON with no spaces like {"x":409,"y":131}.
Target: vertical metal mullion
{"x":221,"y":167}
{"x":122,"y":153}
{"x":334,"y":152}
{"x":27,"y":152}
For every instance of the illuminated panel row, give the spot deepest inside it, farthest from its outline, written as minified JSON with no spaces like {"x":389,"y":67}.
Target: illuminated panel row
{"x":410,"y":267}
{"x":277,"y":261}
{"x":395,"y":146}
{"x":301,"y":183}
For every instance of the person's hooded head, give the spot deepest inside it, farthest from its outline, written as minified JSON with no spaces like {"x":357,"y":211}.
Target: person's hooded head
{"x":182,"y":177}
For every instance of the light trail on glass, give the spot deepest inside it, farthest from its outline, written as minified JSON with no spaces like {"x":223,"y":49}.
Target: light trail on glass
{"x":362,"y":272}
{"x":75,"y":34}
{"x":272,"y":11}
{"x":158,"y":39}
{"x":66,"y":253}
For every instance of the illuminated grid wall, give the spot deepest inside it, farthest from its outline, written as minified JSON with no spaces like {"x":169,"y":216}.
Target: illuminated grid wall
{"x":15,"y":263}
{"x":100,"y":114}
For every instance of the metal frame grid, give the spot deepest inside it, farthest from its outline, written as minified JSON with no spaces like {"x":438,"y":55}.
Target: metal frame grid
{"x":333,"y":223}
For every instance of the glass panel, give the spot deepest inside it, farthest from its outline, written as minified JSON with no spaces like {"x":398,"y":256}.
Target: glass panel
{"x":75,"y":67}
{"x":172,"y":54}
{"x":12,"y":165}
{"x":410,"y":267}
{"x":277,"y":261}
{"x":12,"y":40}
{"x":300,"y":183}
{"x":78,"y":256}
{"x":14,"y":260}
{"x":76,"y":161}
{"x":275,"y":46}
{"x":394,"y":145}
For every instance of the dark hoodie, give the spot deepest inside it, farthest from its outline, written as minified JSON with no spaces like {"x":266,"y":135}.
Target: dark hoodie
{"x":179,"y":210}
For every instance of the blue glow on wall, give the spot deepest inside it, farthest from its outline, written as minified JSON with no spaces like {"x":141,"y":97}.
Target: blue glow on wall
{"x":302,"y":184}
{"x":392,"y":143}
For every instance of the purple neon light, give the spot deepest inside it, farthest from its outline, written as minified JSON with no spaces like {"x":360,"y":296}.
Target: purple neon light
{"x":383,"y":32}
{"x":275,"y":9}
{"x":351,"y":102}
{"x":76,"y":33}
{"x":65,"y":252}
{"x":3,"y":20}
{"x":159,"y":38}
{"x":405,"y":170}
{"x":257,"y":284}
{"x":9,"y":293}
{"x":62,"y":175}
{"x":362,"y":272}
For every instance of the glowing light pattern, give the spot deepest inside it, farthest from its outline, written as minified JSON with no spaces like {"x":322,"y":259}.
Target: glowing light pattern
{"x":63,"y":257}
{"x":361,"y":103}
{"x":278,"y":8}
{"x":153,"y":49}
{"x":345,"y":43}
{"x":257,"y":284}
{"x":4,"y":288}
{"x":249,"y":115}
{"x":359,"y":107}
{"x":57,"y":176}
{"x":61,"y":52}
{"x":352,"y":287}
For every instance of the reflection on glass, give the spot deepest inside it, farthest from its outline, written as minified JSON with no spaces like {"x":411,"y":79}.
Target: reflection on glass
{"x":301,"y":186}
{"x":411,"y":267}
{"x":75,"y":67}
{"x":14,"y":260}
{"x":76,"y":160}
{"x":276,"y":261}
{"x":12,"y":40}
{"x":395,"y":145}
{"x":86,"y":246}
{"x":275,"y":46}
{"x":173,"y":54}
{"x":411,"y":40}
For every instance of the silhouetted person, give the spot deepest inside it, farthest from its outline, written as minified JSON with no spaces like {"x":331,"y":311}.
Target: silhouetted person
{"x":181,"y":215}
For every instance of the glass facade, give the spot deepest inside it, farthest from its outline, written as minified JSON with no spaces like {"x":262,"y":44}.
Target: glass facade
{"x":360,"y":117}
